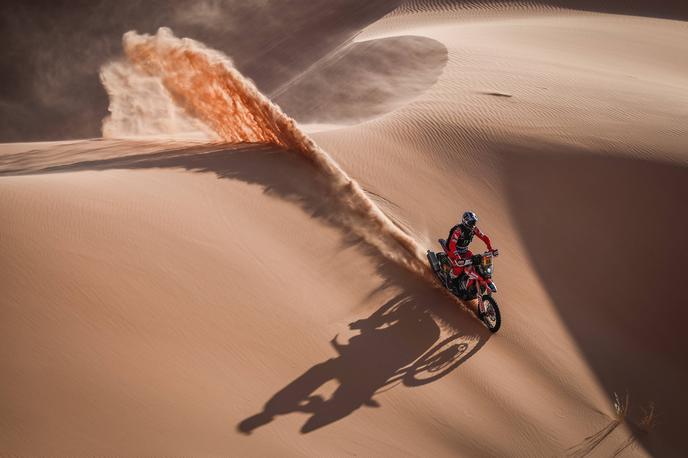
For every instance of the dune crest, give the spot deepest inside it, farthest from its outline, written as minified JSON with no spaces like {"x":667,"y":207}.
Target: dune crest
{"x":209,"y":88}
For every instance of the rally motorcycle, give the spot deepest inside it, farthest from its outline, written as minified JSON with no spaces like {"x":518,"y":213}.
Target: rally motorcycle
{"x":478,"y":283}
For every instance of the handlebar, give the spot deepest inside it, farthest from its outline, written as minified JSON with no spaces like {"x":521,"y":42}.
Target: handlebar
{"x":469,"y":261}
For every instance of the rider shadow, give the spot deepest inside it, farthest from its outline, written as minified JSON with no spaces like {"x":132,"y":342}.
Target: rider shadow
{"x":396,"y":345}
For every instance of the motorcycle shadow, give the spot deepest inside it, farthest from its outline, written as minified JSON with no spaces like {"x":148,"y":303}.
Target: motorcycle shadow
{"x":400,"y":344}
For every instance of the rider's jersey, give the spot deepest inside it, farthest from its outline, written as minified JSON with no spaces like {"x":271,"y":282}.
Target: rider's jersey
{"x":461,"y":236}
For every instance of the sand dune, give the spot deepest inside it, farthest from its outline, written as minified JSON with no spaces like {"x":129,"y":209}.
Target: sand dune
{"x":169,"y":297}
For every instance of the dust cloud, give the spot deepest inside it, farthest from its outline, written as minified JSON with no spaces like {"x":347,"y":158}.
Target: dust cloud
{"x":205,"y":84}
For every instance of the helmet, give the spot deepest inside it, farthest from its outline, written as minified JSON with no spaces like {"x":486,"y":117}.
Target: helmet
{"x":469,"y":219}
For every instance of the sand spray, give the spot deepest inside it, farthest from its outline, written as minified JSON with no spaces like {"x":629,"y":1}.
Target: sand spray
{"x":207,"y":87}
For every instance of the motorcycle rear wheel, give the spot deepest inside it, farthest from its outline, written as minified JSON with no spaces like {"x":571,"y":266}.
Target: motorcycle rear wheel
{"x":492,"y":318}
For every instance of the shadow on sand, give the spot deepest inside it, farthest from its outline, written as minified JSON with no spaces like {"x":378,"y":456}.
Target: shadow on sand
{"x":607,"y":236}
{"x":397,"y":345}
{"x":415,"y":338}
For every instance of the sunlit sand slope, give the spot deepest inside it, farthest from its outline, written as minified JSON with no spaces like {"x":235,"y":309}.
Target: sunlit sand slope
{"x":168,"y":297}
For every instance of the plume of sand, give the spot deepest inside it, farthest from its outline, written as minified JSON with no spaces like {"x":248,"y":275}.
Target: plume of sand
{"x":209,"y":88}
{"x":141,"y":106}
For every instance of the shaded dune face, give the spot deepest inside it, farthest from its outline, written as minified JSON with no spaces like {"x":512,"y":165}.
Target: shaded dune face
{"x":605,"y":235}
{"x":364,"y":80}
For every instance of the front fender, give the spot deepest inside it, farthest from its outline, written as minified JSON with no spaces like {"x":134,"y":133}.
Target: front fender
{"x":492,"y":286}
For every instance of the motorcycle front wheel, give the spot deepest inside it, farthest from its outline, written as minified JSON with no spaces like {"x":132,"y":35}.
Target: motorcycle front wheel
{"x":492,"y":318}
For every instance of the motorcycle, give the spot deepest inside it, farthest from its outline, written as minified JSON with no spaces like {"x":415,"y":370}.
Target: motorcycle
{"x":477,"y":283}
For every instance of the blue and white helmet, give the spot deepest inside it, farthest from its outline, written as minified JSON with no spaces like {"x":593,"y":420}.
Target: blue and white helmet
{"x":469,"y":219}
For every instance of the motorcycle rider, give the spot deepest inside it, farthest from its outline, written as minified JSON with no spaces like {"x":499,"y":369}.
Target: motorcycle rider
{"x":460,"y":236}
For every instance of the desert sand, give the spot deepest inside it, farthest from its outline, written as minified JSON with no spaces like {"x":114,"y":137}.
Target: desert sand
{"x":228,"y":291}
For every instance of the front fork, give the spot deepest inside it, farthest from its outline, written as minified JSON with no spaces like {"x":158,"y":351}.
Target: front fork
{"x":481,"y":288}
{"x":481,"y":307}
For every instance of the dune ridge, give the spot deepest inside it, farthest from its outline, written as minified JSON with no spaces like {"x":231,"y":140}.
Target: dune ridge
{"x":209,"y":88}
